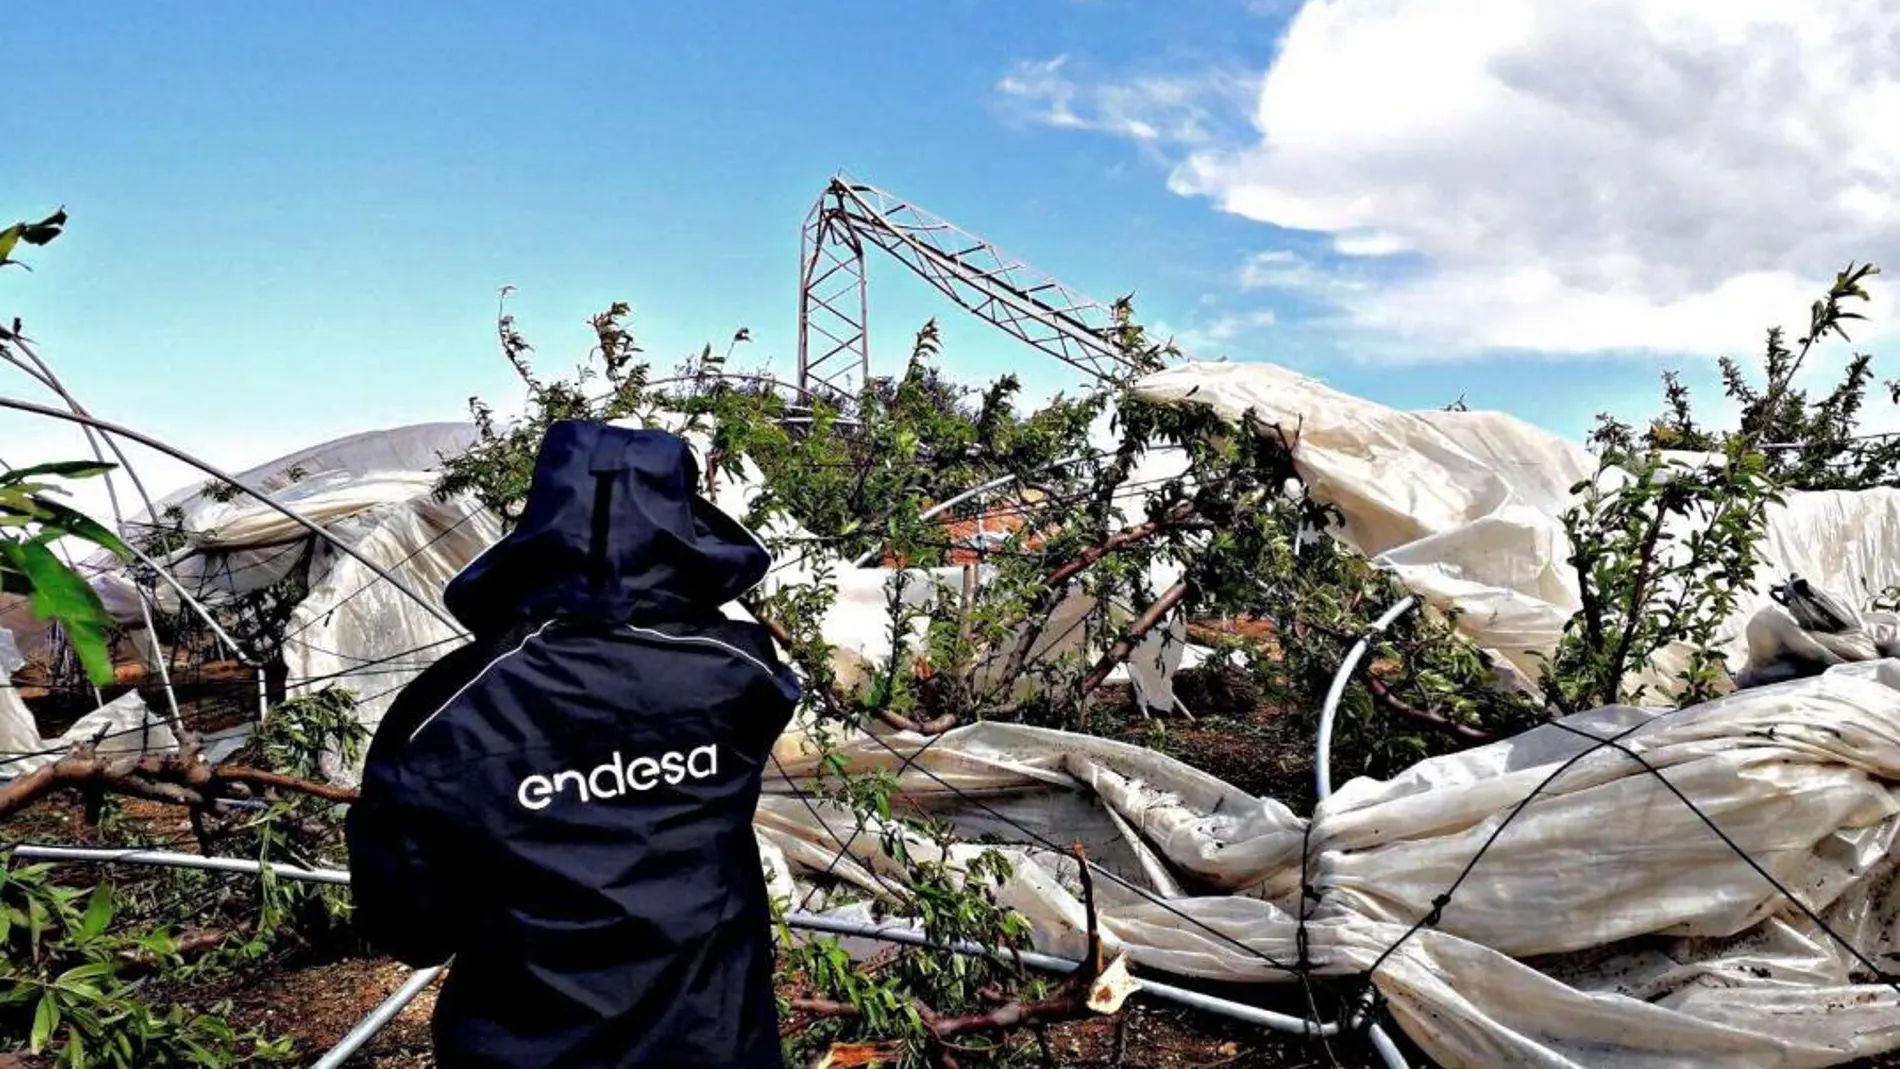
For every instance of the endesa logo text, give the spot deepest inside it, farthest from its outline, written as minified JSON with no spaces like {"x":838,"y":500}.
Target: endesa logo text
{"x":618,"y":777}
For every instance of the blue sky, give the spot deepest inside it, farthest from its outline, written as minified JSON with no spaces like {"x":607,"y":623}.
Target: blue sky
{"x":290,"y":222}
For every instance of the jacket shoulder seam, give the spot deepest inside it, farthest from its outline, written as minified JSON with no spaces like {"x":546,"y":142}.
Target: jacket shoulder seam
{"x":705,"y":640}
{"x":477,"y":678}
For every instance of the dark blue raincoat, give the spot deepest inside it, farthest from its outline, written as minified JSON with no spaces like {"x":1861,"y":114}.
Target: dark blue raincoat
{"x":565,"y":805}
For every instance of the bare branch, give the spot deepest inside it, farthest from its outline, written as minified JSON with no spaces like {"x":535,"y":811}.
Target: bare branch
{"x":1124,"y":647}
{"x":179,"y":779}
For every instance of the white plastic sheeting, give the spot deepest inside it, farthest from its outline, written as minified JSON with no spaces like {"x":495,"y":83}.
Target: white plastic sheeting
{"x":1607,"y":925}
{"x":123,"y":727}
{"x":357,"y":632}
{"x":1465,"y":508}
{"x":374,"y":491}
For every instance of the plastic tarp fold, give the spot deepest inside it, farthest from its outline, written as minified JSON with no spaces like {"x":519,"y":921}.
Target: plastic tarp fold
{"x":1465,"y":509}
{"x":355,"y":632}
{"x":1608,"y":924}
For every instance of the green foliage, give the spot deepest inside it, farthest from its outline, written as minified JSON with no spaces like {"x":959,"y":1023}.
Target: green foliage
{"x":497,"y":468}
{"x":220,"y":491}
{"x":1664,"y":545}
{"x":1663,"y":551}
{"x":297,"y":829}
{"x":951,"y":903}
{"x":31,"y":522}
{"x":1807,"y":442}
{"x":67,"y":990}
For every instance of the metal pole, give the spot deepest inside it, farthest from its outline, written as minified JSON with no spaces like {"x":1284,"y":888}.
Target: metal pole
{"x":1328,"y":712}
{"x":1239,"y":1011}
{"x":379,"y":1018}
{"x":1323,"y":770}
{"x":175,"y":860}
{"x":288,"y":513}
{"x":51,"y":381}
{"x":421,"y":978}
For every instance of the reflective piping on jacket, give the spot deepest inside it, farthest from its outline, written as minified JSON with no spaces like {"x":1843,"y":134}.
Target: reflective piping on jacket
{"x":704,"y":641}
{"x":426,"y":721}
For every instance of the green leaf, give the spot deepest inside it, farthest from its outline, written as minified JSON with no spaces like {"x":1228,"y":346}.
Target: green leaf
{"x":98,"y":914}
{"x":70,"y":521}
{"x":36,"y":920}
{"x":62,"y":469}
{"x":45,"y":230}
{"x":60,"y":594}
{"x":45,"y":1021}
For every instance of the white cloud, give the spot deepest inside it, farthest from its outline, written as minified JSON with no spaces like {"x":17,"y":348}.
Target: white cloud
{"x":1210,"y":339}
{"x":1573,"y":175}
{"x":1279,"y":269}
{"x":1196,"y":110}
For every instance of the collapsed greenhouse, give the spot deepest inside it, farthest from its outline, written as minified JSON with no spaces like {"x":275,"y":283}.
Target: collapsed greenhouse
{"x":1624,"y":886}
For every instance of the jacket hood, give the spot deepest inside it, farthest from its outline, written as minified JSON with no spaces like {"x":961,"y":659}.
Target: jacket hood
{"x":614,"y":532}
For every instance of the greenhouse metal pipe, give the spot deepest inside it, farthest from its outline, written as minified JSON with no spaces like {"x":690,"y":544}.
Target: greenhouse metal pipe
{"x":1182,"y":996}
{"x":378,"y":1018}
{"x":804,"y":921}
{"x":1323,"y":770}
{"x":196,"y":606}
{"x":173,"y":859}
{"x":175,"y":453}
{"x":263,"y":699}
{"x":1383,"y":1046}
{"x":51,"y":381}
{"x":158,"y":569}
{"x":1329,"y":712}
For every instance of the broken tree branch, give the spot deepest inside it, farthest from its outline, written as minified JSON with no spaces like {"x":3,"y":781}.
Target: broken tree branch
{"x":179,"y":779}
{"x":1382,"y":691}
{"x":1093,"y":987}
{"x":835,"y":706}
{"x":1124,"y":647}
{"x":1074,"y":997}
{"x":1056,"y":584}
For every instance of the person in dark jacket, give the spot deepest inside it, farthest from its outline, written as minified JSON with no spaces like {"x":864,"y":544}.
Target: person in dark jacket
{"x":564,"y":805}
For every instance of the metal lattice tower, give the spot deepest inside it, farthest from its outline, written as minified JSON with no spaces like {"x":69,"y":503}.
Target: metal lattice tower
{"x":834,"y":346}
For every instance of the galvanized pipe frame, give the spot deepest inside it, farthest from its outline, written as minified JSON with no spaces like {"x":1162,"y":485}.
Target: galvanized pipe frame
{"x":420,"y":979}
{"x":1323,"y":763}
{"x":181,"y":455}
{"x":40,"y":372}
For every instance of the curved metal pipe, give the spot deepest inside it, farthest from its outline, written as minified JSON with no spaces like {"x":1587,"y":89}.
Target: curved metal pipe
{"x":421,"y":978}
{"x":1323,"y":769}
{"x":1329,"y":712}
{"x":44,"y":375}
{"x":46,"y":378}
{"x":175,"y":453}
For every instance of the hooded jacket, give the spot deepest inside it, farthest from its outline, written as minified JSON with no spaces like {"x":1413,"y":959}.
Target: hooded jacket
{"x":564,"y":805}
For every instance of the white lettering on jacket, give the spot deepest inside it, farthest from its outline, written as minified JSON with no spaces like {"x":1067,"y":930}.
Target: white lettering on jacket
{"x":619,"y":776}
